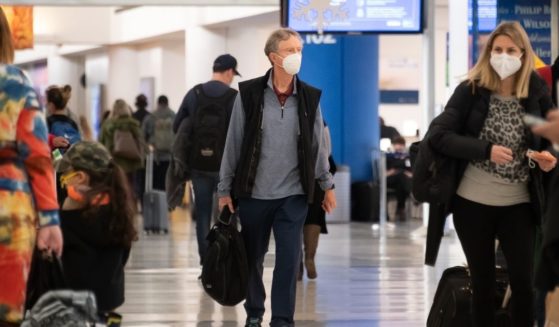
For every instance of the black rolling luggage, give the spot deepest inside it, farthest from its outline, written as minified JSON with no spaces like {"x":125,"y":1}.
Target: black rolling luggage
{"x":452,"y":303}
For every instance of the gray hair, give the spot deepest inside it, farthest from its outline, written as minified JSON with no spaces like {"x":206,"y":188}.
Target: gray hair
{"x":277,"y":36}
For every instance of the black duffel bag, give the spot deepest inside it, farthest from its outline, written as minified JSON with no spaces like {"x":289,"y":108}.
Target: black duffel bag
{"x":225,"y":266}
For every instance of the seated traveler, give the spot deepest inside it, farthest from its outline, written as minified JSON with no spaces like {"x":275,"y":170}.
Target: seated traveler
{"x":398,"y":174}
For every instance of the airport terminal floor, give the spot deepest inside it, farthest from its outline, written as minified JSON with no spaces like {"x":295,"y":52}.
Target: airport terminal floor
{"x":366,"y":277}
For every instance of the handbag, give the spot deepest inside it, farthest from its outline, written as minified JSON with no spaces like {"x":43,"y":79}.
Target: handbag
{"x":45,"y":275}
{"x":126,"y":146}
{"x":225,"y":267}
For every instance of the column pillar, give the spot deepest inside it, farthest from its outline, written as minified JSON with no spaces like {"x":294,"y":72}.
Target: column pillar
{"x":123,"y":78}
{"x":64,"y":70}
{"x":202,"y":47}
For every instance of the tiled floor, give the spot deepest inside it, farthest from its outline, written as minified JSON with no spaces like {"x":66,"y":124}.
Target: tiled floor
{"x":366,"y":278}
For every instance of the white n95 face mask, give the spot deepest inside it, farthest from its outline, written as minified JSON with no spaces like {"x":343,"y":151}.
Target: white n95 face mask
{"x":505,"y":65}
{"x":292,"y":63}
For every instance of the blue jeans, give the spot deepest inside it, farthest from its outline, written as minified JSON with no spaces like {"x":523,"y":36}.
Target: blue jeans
{"x":285,"y":217}
{"x":205,"y":185}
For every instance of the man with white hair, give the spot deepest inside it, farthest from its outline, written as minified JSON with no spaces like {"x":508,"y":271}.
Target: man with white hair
{"x":273,"y":154}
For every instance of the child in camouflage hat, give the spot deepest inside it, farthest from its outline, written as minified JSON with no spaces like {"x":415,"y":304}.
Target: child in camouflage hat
{"x":97,"y":222}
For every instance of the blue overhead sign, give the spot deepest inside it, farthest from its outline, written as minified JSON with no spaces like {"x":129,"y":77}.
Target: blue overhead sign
{"x":535,"y":17}
{"x":358,"y":16}
{"x":486,"y":15}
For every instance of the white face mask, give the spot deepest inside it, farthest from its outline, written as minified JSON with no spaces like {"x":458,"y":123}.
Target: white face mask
{"x":292,"y":63}
{"x":505,"y":65}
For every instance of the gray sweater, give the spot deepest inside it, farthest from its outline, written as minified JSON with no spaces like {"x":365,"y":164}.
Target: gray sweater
{"x":277,"y":175}
{"x":148,"y":128}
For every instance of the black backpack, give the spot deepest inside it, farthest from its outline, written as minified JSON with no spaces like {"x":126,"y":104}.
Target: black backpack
{"x":209,"y":129}
{"x":434,"y":175}
{"x":225,"y":267}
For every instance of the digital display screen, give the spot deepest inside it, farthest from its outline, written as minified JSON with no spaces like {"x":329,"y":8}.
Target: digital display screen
{"x":357,"y":16}
{"x":486,"y":14}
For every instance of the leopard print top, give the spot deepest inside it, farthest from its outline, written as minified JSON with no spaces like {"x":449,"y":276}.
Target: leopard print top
{"x":503,"y":126}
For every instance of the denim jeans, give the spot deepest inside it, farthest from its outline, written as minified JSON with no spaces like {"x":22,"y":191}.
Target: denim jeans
{"x":205,"y":186}
{"x":285,"y":218}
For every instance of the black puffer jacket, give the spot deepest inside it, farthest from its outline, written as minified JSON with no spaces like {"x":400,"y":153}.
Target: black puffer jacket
{"x":456,"y":130}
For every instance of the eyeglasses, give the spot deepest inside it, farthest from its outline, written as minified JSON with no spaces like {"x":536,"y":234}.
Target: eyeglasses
{"x":64,"y":179}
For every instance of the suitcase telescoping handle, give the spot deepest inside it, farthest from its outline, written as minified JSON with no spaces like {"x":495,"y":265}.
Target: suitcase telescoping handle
{"x":149,"y":171}
{"x":506,"y":298}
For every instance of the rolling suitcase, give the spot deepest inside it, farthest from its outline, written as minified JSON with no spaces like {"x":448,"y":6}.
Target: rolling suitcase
{"x":155,"y":211}
{"x":452,"y":303}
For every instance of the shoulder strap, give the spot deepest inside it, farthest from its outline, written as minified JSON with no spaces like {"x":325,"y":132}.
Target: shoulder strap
{"x":203,"y":98}
{"x":199,"y":90}
{"x":49,"y":122}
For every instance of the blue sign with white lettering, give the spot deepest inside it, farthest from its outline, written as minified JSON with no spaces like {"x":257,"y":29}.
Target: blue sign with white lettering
{"x":486,"y":15}
{"x":393,"y":16}
{"x":535,"y":17}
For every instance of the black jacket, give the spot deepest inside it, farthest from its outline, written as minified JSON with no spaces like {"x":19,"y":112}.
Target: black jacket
{"x":547,"y":275}
{"x":90,"y":261}
{"x":252,"y":96}
{"x":455,"y":133}
{"x":140,"y":115}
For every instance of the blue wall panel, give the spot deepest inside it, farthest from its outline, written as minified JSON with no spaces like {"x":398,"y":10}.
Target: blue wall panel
{"x":361,"y":98}
{"x":322,"y":68}
{"x":346,"y":69}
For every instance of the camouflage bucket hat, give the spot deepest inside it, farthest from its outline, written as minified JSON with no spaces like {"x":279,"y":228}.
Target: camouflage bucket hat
{"x":86,"y":155}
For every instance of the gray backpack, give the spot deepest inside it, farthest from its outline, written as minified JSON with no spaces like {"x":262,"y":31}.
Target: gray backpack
{"x":63,"y":308}
{"x":163,"y":134}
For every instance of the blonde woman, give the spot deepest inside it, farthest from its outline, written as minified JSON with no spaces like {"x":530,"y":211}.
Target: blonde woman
{"x":121,"y":119}
{"x":500,"y":177}
{"x":27,"y":188}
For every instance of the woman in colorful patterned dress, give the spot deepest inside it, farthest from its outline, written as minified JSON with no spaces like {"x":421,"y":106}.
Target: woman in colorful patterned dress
{"x":27,"y":192}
